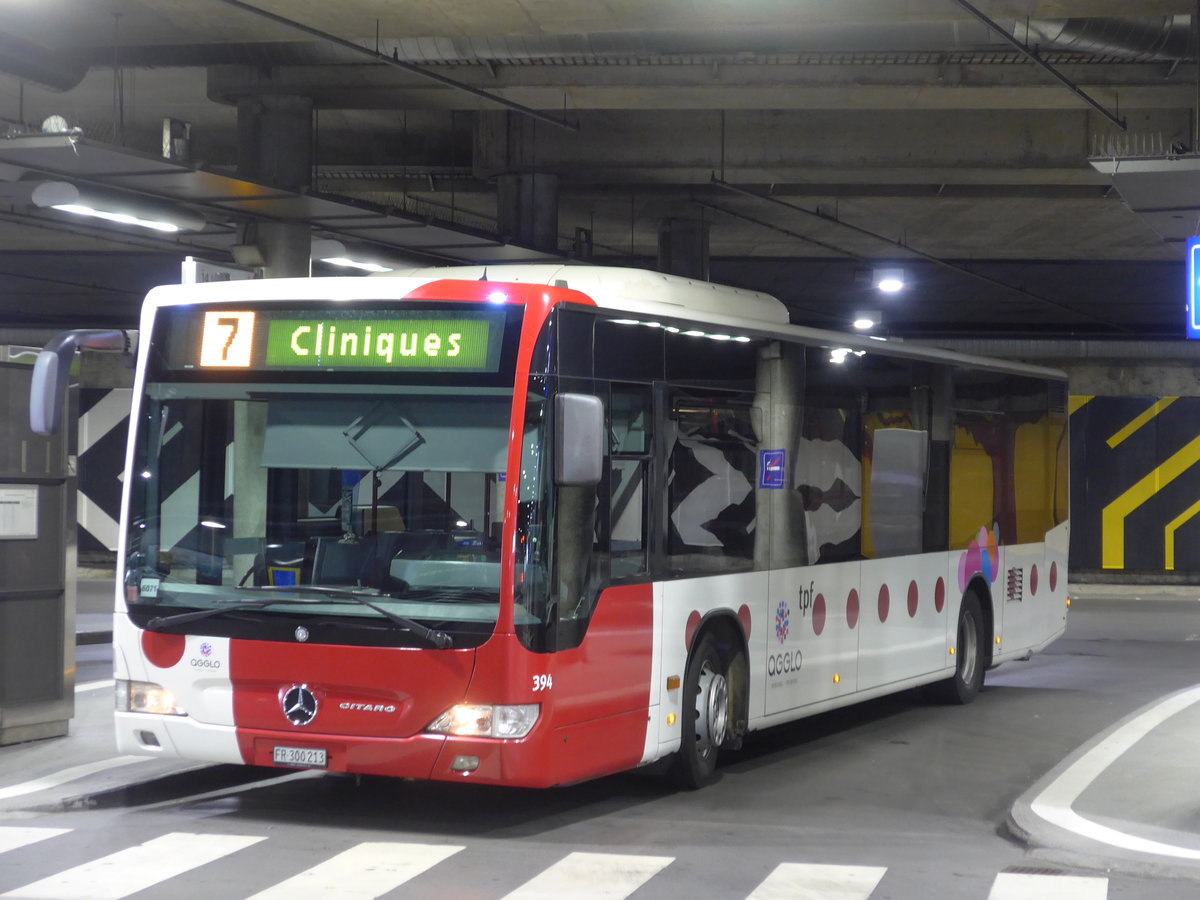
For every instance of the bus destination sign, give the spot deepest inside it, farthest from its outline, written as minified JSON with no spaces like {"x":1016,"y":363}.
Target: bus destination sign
{"x":420,"y":340}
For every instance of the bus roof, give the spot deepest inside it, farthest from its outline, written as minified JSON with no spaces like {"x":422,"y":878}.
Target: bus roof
{"x":623,"y":289}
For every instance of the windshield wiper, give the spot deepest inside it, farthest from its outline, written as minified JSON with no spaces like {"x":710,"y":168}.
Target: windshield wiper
{"x":439,"y":639}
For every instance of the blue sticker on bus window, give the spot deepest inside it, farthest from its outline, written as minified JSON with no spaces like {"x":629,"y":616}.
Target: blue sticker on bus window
{"x":280,"y":576}
{"x":771,"y":468}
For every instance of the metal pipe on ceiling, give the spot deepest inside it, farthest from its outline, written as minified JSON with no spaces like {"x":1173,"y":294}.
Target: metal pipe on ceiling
{"x":1036,"y":59}
{"x":397,"y":63}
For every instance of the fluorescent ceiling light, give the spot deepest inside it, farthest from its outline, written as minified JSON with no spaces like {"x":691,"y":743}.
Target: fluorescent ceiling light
{"x":113,"y":207}
{"x":866,"y":319}
{"x":334,"y":253}
{"x":889,"y":281}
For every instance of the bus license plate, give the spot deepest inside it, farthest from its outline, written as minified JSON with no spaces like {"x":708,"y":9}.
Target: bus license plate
{"x":300,"y":757}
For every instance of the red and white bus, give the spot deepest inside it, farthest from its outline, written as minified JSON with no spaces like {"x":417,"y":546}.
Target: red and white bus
{"x":532,"y":525}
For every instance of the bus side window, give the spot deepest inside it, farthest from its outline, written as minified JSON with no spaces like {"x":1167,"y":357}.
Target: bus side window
{"x":630,"y":443}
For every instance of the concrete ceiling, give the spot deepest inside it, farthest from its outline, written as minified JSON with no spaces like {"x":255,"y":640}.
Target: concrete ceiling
{"x":815,"y":139}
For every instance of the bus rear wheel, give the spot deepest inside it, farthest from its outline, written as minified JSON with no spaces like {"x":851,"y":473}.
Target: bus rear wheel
{"x":969,"y":663}
{"x":705,"y":716}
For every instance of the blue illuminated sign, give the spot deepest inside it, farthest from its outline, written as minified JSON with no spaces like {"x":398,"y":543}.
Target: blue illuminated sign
{"x":1193,"y":273}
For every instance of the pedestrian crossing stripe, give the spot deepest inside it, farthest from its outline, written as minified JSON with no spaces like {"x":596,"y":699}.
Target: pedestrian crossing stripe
{"x":12,"y":838}
{"x":608,"y":875}
{"x":366,"y":870}
{"x":799,"y":881}
{"x":1014,"y":886}
{"x":374,"y":868}
{"x":135,"y":869}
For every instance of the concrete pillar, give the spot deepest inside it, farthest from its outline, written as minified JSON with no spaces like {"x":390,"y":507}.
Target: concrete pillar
{"x":527,"y":209}
{"x":683,"y":248}
{"x":275,"y":148}
{"x":781,"y":538}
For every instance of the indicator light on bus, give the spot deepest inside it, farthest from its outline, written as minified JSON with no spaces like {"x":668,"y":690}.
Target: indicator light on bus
{"x":486,"y":720}
{"x":497,"y":297}
{"x":997,"y":640}
{"x":670,"y":718}
{"x":1068,"y":602}
{"x":146,"y":697}
{"x":673,"y":682}
{"x":837,"y":679}
{"x":951,"y":651}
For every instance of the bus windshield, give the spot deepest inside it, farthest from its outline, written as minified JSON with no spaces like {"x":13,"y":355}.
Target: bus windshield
{"x":345,"y":508}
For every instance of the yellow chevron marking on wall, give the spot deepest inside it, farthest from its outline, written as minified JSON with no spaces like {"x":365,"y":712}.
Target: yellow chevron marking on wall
{"x":1076,"y":401}
{"x":1140,"y":420}
{"x":1169,"y":533}
{"x":1112,"y":519}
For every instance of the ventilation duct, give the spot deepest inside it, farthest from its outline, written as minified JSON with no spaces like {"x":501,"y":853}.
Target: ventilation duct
{"x":30,"y":62}
{"x":1147,"y":40}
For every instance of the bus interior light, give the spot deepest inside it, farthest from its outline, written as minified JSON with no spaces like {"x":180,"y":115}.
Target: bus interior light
{"x":486,"y":720}
{"x":146,"y":697}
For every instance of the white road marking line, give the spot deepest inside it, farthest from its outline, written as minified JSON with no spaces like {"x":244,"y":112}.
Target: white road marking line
{"x":12,"y":837}
{"x":65,"y":775}
{"x":592,"y":875}
{"x":802,"y":881}
{"x":1054,"y":803}
{"x":135,"y":869}
{"x":93,"y":685}
{"x":365,"y":871}
{"x":1021,"y":886}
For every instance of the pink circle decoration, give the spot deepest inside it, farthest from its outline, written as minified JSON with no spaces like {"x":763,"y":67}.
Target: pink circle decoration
{"x":818,"y":617}
{"x":163,"y":650}
{"x":852,"y":609}
{"x":1033,"y":579}
{"x":885,"y":602}
{"x":744,"y":618}
{"x":913,"y":596}
{"x":939,"y":595}
{"x":693,"y":622}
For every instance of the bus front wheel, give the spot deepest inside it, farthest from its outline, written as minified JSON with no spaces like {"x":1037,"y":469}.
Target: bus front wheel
{"x":969,"y":649}
{"x":705,"y":715}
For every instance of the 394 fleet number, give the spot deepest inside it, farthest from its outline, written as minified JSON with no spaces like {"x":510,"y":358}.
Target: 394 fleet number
{"x":542,"y":683}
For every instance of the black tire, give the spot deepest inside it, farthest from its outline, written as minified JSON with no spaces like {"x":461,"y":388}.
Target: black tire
{"x":706,"y":715}
{"x":970,"y":656}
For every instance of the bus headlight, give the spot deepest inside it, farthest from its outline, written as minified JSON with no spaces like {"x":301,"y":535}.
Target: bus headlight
{"x":146,"y":697}
{"x":486,"y":720}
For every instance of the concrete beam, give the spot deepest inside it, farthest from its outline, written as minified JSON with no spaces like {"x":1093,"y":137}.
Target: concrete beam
{"x":705,"y":85}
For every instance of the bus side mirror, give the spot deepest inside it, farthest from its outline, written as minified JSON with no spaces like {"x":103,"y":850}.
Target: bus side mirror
{"x":578,"y":440}
{"x":48,"y":387}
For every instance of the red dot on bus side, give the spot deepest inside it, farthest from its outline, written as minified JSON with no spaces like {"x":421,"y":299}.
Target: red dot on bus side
{"x":913,"y":597}
{"x":818,"y":617}
{"x":1053,"y":576}
{"x":744,"y":618}
{"x":939,"y":595}
{"x":163,"y":650}
{"x":1033,"y":579}
{"x":693,"y":623}
{"x":852,"y":609}
{"x":885,"y":602}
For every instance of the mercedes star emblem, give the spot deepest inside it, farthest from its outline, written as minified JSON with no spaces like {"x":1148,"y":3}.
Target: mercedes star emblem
{"x":299,"y":704}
